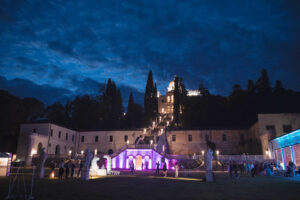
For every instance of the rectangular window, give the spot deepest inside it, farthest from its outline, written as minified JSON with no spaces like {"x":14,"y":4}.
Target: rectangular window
{"x":67,"y":136}
{"x":206,"y":138}
{"x":271,"y":130}
{"x":72,"y":138}
{"x":82,"y":138}
{"x":287,"y":128}
{"x":190,"y":138}
{"x":224,"y":137}
{"x":111,"y":138}
{"x":96,"y":138}
{"x":242,"y":138}
{"x":59,"y":134}
{"x":125,"y":138}
{"x":51,"y":132}
{"x":174,"y":138}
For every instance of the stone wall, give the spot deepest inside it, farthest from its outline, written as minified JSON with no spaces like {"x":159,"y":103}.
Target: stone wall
{"x":190,"y":142}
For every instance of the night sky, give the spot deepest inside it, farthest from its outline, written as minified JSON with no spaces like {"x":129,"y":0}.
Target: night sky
{"x":74,"y":45}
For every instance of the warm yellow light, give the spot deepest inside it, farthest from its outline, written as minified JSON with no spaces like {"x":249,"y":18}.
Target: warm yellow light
{"x":82,"y":152}
{"x":33,"y":151}
{"x":95,"y":152}
{"x":52,"y":175}
{"x":217,"y":152}
{"x":70,"y":152}
{"x":202,"y":152}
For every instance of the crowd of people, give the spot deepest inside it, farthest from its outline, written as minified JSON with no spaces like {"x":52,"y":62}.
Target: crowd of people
{"x":66,"y":168}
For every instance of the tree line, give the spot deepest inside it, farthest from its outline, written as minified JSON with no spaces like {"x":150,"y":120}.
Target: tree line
{"x":106,"y":110}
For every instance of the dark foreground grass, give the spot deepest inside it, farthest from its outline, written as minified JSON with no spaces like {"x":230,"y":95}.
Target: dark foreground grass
{"x":142,"y":187}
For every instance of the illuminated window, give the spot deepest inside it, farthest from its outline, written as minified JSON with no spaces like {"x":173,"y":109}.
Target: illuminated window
{"x":168,"y":99}
{"x":162,"y":110}
{"x":172,"y":99}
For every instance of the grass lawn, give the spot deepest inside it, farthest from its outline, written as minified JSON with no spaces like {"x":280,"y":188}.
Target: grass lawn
{"x":146,"y":186}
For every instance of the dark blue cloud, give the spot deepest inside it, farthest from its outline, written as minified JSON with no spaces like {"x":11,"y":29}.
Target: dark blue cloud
{"x":66,"y":43}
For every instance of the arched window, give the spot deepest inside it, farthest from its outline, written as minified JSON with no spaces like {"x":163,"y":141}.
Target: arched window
{"x":57,"y":150}
{"x":40,"y":147}
{"x":110,"y":151}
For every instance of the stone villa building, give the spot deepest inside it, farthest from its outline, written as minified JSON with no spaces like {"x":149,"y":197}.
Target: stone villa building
{"x":60,"y":141}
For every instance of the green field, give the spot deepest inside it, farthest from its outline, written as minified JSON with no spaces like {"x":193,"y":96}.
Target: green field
{"x":147,"y":186}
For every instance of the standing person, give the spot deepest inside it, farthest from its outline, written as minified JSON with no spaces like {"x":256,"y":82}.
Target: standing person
{"x":165,"y":169}
{"x":231,"y":169}
{"x":176,"y":169}
{"x":235,"y":166}
{"x":132,"y":167}
{"x":157,"y":168}
{"x":80,"y":168}
{"x":252,"y":170}
{"x":52,"y":167}
{"x":67,"y":169}
{"x":72,"y":169}
{"x":61,"y":169}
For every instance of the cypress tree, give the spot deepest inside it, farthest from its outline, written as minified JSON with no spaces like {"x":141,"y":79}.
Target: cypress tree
{"x":176,"y":102}
{"x":149,"y":100}
{"x":251,"y":86}
{"x":263,"y":83}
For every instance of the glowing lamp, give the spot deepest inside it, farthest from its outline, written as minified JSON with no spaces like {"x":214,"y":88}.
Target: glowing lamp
{"x":202,"y":152}
{"x":151,"y":141}
{"x":127,"y":142}
{"x":217,"y":152}
{"x":33,"y":151}
{"x":82,"y":152}
{"x":70,"y":152}
{"x":52,"y":175}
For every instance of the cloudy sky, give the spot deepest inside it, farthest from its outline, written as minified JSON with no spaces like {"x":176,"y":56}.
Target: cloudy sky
{"x":72,"y":44}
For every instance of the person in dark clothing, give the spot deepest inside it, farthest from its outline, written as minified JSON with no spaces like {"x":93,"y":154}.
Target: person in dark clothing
{"x":80,"y":168}
{"x":67,"y":170}
{"x":253,"y":170}
{"x":157,"y":168}
{"x":236,"y":170}
{"x":61,"y":169}
{"x":52,"y":167}
{"x":72,"y":169}
{"x":231,"y":169}
{"x":165,"y":169}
